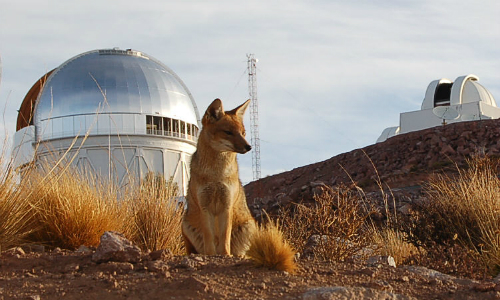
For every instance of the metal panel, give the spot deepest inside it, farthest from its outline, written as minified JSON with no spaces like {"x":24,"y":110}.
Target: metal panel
{"x":115,"y":83}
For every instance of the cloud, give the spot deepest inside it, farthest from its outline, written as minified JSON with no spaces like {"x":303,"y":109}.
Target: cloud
{"x":331,"y":74}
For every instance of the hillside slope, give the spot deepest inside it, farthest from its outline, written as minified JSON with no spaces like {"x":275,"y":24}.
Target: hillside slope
{"x":402,"y":161}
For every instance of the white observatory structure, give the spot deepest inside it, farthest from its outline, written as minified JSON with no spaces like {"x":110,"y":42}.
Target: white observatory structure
{"x":138,"y":116}
{"x":447,"y":102}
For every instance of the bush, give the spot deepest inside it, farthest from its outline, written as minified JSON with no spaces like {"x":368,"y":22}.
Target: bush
{"x":393,"y":242}
{"x":461,"y":209}
{"x":15,"y":212}
{"x":70,"y":209}
{"x":337,"y":217}
{"x":154,"y":215}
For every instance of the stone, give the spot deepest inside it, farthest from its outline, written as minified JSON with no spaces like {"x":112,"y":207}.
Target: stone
{"x":117,"y":267}
{"x":14,"y":252}
{"x":84,"y":249}
{"x":157,"y":266}
{"x":433,"y":274}
{"x":115,"y":247}
{"x":312,"y":243}
{"x":34,"y":248}
{"x":161,"y":254}
{"x":405,"y":209}
{"x":380,"y":260}
{"x":351,"y":293}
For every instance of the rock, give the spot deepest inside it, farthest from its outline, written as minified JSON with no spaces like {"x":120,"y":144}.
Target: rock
{"x":484,"y":287}
{"x":157,"y":266}
{"x":115,"y":247}
{"x":405,"y":209}
{"x":379,"y":260}
{"x":117,"y":267}
{"x":433,"y":274}
{"x":70,"y":268}
{"x":34,"y":248}
{"x":351,"y":293}
{"x":84,"y":249}
{"x":188,"y":263}
{"x":312,"y":243}
{"x":161,"y":254}
{"x":195,"y":284}
{"x":14,"y":252}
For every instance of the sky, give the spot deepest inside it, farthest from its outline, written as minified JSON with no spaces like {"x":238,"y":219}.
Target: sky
{"x":331,"y":75}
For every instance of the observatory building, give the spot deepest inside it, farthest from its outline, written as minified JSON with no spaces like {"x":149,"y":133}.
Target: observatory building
{"x":116,"y":112}
{"x":447,"y":102}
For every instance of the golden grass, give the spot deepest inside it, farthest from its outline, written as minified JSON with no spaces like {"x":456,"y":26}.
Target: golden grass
{"x":15,"y":213}
{"x":268,"y":248}
{"x":70,"y":208}
{"x":59,"y":206}
{"x":392,"y":242}
{"x":154,"y":216}
{"x":469,"y":207}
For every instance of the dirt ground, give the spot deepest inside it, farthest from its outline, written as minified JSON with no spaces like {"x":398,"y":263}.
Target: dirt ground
{"x":73,"y":275}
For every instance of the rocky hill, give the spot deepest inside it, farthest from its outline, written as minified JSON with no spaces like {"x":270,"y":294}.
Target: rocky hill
{"x":402,"y":162}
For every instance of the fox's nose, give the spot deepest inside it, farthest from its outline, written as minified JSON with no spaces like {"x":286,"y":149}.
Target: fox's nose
{"x":248,"y":147}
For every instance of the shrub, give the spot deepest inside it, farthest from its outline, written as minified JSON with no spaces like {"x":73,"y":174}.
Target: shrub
{"x":15,"y":212}
{"x":337,"y":217}
{"x":154,"y":215}
{"x":394,"y":243}
{"x":461,"y":209}
{"x":70,"y":208}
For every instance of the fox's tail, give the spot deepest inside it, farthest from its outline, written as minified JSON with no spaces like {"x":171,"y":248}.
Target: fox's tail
{"x":269,"y":248}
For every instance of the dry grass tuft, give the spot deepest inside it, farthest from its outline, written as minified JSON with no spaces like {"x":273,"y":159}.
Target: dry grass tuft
{"x":154,"y":215}
{"x":468,"y":207}
{"x":394,"y":243}
{"x":461,"y":211}
{"x":269,"y":248}
{"x":70,"y":209}
{"x":15,"y":213}
{"x":338,"y":217}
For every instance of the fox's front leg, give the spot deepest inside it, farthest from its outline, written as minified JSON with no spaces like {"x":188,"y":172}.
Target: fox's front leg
{"x":208,"y":222}
{"x":225,"y":224}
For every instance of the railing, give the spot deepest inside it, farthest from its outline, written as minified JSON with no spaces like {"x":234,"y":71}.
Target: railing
{"x":172,"y":134}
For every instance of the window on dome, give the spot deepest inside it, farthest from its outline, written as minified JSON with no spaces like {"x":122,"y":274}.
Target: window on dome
{"x":442,"y":94}
{"x":171,"y":127}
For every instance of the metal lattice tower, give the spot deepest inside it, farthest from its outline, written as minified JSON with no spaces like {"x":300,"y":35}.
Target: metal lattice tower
{"x":254,"y":115}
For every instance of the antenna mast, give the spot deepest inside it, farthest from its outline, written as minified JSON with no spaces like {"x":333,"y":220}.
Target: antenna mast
{"x":254,"y":115}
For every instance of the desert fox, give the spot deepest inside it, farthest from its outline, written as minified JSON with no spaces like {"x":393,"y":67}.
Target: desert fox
{"x":217,"y":219}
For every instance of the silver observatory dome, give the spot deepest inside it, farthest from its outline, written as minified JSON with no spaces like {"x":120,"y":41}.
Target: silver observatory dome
{"x":128,"y":112}
{"x":111,"y":82}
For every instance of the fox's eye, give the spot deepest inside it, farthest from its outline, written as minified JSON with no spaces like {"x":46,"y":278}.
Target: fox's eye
{"x":228,"y":132}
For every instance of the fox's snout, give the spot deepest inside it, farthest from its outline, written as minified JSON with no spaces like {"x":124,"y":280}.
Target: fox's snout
{"x":246,"y":148}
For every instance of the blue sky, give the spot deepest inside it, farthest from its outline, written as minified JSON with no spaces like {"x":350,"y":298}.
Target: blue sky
{"x":331,"y":74}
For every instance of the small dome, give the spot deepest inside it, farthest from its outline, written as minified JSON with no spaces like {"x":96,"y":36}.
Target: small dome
{"x":115,"y":81}
{"x":475,"y":92}
{"x":465,"y":89}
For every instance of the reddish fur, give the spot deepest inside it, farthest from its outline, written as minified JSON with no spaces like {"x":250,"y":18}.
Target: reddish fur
{"x":217,"y":219}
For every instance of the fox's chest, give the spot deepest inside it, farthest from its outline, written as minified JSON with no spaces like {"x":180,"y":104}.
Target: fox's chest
{"x":217,"y":196}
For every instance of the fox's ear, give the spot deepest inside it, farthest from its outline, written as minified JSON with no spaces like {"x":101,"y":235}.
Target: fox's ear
{"x":240,"y":110}
{"x":214,"y":112}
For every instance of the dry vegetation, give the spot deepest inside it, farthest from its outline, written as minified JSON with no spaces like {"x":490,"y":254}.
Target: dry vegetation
{"x":460,"y":219}
{"x":154,"y":215}
{"x":335,"y":223}
{"x":457,"y":230}
{"x":62,"y":207}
